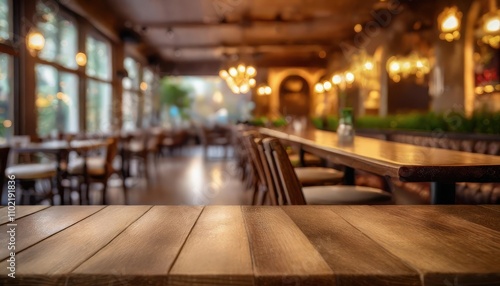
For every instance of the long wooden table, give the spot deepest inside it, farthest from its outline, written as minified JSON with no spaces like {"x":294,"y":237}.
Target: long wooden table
{"x":409,"y":163}
{"x":240,"y":245}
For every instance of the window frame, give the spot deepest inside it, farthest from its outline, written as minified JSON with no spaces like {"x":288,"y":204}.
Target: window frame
{"x":7,"y":48}
{"x":92,"y":32}
{"x":134,"y":92}
{"x":61,"y":13}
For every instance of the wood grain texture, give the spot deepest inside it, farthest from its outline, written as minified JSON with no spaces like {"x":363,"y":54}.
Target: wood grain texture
{"x":20,"y":212}
{"x":298,"y":245}
{"x":216,"y":252}
{"x":442,"y":248}
{"x":482,"y":216}
{"x":353,"y":257}
{"x":55,"y":257}
{"x":492,"y":207}
{"x":40,"y":225}
{"x":404,"y":161}
{"x":281,"y":253}
{"x":144,"y":253}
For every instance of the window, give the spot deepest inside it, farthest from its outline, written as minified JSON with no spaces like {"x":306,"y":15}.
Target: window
{"x":99,"y":90}
{"x":5,"y":20}
{"x":6,"y":73}
{"x":57,"y":95}
{"x":5,"y":96}
{"x":98,"y":59}
{"x":57,"y":100}
{"x":99,"y":106}
{"x":61,"y":36}
{"x":148,"y":87}
{"x":131,"y":99}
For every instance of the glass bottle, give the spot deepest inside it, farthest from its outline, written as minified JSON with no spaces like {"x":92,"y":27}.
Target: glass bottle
{"x":345,"y":130}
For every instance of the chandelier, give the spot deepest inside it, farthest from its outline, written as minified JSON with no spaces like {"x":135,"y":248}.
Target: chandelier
{"x":403,"y":67}
{"x":449,"y":24}
{"x":240,"y":78}
{"x":491,"y":26}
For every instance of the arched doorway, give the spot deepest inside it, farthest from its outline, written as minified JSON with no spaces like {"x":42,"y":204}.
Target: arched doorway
{"x":295,"y":96}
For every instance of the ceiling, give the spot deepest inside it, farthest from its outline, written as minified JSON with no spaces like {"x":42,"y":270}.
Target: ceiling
{"x":270,"y":32}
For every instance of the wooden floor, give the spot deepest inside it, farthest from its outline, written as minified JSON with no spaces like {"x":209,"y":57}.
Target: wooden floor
{"x":185,"y":178}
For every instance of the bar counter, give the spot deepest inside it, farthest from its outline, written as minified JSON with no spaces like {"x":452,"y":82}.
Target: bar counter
{"x":245,"y":245}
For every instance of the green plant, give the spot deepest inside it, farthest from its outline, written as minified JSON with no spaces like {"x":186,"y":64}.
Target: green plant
{"x":174,"y":94}
{"x":482,"y":121}
{"x":280,"y":122}
{"x":259,"y":121}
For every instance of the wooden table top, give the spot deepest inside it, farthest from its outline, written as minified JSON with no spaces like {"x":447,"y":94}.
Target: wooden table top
{"x":240,"y":245}
{"x":404,"y":161}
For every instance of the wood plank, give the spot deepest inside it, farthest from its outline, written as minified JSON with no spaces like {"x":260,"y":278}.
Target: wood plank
{"x":40,"y":225}
{"x":216,"y":252}
{"x":21,"y":211}
{"x":492,"y":207}
{"x":153,"y":241}
{"x":354,"y":258}
{"x":404,"y":161}
{"x":445,"y":249}
{"x":475,"y":214}
{"x":51,"y":260}
{"x":281,"y":253}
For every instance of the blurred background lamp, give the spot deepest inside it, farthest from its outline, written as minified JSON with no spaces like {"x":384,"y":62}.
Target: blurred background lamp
{"x":35,"y":41}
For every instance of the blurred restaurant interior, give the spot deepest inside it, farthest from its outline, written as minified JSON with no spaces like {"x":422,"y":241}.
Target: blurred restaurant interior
{"x":250,"y":142}
{"x":150,"y":102}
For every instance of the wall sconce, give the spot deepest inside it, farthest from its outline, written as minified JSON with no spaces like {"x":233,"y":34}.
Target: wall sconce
{"x":81,"y":59}
{"x":319,"y":88}
{"x":403,"y":67}
{"x":450,"y":21}
{"x":264,"y":90}
{"x":343,"y":80}
{"x":143,"y":86}
{"x":35,"y":42}
{"x":491,"y":26}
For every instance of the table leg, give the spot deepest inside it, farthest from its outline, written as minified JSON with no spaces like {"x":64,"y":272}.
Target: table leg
{"x":86,"y":177}
{"x":442,"y":193}
{"x":59,"y":178}
{"x":302,"y":157}
{"x":349,"y":177}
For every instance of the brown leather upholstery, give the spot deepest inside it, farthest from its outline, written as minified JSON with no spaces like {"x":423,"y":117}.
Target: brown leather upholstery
{"x":466,"y":193}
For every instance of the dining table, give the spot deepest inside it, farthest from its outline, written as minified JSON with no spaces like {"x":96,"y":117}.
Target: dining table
{"x":409,"y":163}
{"x":250,"y":245}
{"x":60,"y":149}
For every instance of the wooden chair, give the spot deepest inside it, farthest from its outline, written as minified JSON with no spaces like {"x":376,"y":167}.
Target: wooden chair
{"x":308,"y":176}
{"x":99,"y":169}
{"x":27,"y":175}
{"x":291,"y":192}
{"x":4,"y":157}
{"x":216,"y":137}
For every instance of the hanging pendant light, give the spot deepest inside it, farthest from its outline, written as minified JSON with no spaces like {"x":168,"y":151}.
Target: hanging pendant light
{"x":450,"y":21}
{"x":240,"y":78}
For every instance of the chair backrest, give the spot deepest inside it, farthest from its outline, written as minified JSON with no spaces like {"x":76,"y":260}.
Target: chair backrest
{"x":272,"y":191}
{"x":111,"y":150}
{"x":284,"y":175}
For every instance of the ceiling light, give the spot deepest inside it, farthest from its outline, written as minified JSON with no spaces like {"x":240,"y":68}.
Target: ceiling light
{"x":358,"y":28}
{"x":240,"y":78}
{"x":449,"y":24}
